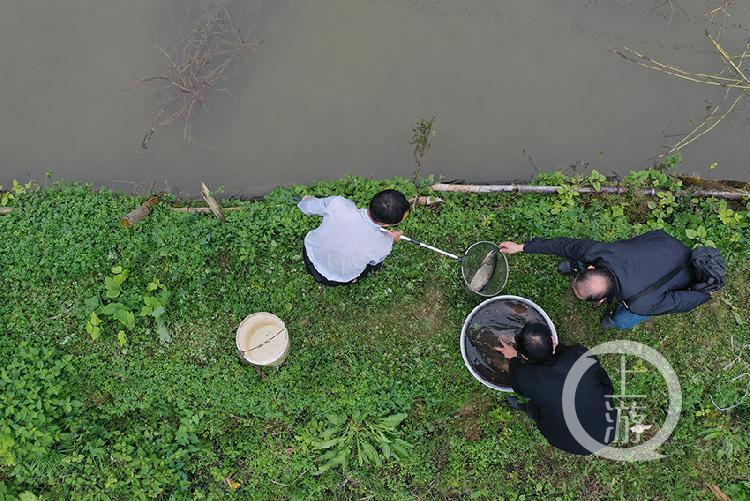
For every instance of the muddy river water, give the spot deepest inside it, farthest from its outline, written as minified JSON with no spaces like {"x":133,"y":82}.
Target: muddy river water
{"x":332,"y":87}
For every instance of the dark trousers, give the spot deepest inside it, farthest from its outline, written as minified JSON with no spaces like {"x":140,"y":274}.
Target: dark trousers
{"x":330,"y":283}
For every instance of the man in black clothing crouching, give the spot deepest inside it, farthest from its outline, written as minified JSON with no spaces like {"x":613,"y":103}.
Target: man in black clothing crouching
{"x":539,"y":374}
{"x":647,"y":275}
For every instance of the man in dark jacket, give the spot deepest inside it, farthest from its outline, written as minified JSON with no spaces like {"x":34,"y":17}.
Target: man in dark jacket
{"x":648,"y":275}
{"x":540,"y":377}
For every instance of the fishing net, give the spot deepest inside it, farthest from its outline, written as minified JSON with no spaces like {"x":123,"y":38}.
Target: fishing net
{"x":493,"y":321}
{"x":485,"y":269}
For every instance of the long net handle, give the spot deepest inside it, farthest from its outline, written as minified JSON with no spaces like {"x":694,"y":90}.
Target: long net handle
{"x":426,"y":246}
{"x":434,"y":249}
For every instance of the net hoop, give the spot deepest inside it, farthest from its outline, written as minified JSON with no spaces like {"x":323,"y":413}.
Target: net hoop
{"x":505,"y":260}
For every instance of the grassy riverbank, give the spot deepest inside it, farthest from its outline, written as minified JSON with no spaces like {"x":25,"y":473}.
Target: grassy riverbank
{"x":128,"y":416}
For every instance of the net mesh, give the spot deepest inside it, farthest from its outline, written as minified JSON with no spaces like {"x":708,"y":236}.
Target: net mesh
{"x":485,"y":269}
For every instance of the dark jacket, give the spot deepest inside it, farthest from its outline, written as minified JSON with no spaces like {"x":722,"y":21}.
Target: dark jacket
{"x":543,"y":384}
{"x":636,"y":264}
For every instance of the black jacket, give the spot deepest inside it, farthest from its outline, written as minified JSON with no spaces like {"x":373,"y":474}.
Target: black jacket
{"x":543,"y":385}
{"x":636,"y":263}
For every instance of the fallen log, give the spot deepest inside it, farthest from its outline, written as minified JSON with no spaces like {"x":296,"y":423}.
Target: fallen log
{"x":212,"y":204}
{"x":141,"y":212}
{"x":551,"y":190}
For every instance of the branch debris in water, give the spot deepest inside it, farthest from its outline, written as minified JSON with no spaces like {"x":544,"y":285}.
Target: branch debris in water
{"x":721,"y":7}
{"x":732,"y":77}
{"x":198,"y":62}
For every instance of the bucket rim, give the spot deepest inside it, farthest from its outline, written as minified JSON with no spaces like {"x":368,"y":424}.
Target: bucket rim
{"x":529,"y":302}
{"x":249,"y":318}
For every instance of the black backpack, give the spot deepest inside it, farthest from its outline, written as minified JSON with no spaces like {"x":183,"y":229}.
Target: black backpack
{"x":710,"y":269}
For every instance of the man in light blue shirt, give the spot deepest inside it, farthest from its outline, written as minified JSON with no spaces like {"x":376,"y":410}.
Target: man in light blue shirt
{"x":350,"y":242}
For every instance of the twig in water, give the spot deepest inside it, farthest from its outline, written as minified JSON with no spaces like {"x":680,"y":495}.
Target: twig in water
{"x":531,"y":160}
{"x":722,"y":7}
{"x":731,"y":77}
{"x":704,"y":127}
{"x":198,"y":62}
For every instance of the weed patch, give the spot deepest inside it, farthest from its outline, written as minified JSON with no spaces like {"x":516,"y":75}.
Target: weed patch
{"x":168,"y":410}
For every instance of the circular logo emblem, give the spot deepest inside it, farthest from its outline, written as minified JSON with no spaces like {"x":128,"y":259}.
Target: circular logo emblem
{"x":645,"y":451}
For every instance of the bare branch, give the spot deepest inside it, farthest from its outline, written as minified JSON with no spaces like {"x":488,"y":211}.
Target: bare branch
{"x":709,"y":125}
{"x":736,"y":79}
{"x":722,"y":7}
{"x":198,"y":61}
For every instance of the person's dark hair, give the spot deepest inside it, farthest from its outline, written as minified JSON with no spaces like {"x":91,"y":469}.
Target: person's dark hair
{"x":389,"y":207}
{"x":583,"y":281}
{"x":535,"y":342}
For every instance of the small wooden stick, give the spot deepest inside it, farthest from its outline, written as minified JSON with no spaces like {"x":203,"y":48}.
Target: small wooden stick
{"x":212,"y":204}
{"x":727,"y":58}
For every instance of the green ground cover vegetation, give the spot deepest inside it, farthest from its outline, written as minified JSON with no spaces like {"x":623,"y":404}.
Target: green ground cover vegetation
{"x":119,"y":378}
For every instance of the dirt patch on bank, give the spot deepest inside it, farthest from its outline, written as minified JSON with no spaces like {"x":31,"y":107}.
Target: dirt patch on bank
{"x":427,"y":313}
{"x":470,"y":418}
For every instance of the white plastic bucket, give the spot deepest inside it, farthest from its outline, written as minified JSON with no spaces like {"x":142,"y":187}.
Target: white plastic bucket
{"x":474,"y":373}
{"x":262,"y":339}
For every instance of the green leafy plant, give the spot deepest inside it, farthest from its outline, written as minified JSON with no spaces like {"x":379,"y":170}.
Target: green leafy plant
{"x":120,"y":313}
{"x":700,"y":235}
{"x":596,"y":179}
{"x":36,"y":400}
{"x":93,"y":326}
{"x":374,"y":440}
{"x":730,"y":442}
{"x":672,"y":161}
{"x":551,"y":178}
{"x":567,"y":187}
{"x":567,"y":197}
{"x":113,"y":284}
{"x":155,"y":306}
{"x":16,"y":190}
{"x":652,"y":178}
{"x":618,"y":210}
{"x":122,"y":338}
{"x":739,"y":313}
{"x":728,"y":216}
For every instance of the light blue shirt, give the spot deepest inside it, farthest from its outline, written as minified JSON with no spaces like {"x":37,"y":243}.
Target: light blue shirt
{"x":346,"y":241}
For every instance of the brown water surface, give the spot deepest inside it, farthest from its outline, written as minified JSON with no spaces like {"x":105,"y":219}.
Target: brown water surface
{"x":333,"y":87}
